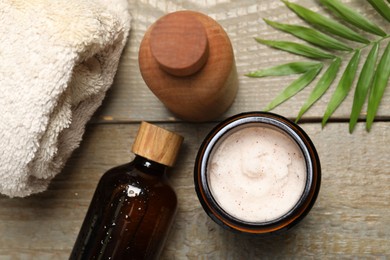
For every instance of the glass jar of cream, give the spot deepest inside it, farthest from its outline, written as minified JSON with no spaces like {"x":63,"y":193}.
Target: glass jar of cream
{"x":257,"y":173}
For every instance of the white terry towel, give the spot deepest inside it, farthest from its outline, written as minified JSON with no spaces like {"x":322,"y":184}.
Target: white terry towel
{"x":57,"y":60}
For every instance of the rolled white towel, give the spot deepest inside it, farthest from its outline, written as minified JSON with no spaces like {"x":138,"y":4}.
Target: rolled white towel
{"x":57,"y":60}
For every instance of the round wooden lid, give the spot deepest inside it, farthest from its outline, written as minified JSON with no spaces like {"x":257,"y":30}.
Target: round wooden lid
{"x":179,"y":43}
{"x":157,"y":144}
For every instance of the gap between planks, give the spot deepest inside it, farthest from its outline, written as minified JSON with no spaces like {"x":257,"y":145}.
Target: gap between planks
{"x":114,"y":121}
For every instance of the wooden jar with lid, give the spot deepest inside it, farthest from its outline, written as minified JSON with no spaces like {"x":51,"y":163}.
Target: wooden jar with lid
{"x":187,"y":61}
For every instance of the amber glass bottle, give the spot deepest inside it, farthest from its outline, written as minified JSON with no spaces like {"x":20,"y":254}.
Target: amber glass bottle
{"x":133,"y":206}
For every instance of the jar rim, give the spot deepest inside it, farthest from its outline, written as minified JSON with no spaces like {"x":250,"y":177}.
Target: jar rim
{"x":297,"y":134}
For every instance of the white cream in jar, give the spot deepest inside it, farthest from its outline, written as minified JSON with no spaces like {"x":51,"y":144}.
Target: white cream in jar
{"x":257,"y":173}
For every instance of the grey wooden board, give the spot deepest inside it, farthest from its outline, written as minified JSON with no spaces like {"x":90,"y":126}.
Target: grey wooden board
{"x":350,"y":218}
{"x":130,"y":98}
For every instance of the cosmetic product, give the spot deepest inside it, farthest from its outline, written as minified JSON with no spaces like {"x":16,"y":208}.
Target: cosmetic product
{"x":257,"y":173}
{"x":187,"y":61}
{"x":133,"y":206}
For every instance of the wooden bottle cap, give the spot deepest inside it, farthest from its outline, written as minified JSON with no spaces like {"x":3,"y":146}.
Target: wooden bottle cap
{"x":157,"y":144}
{"x":179,"y":44}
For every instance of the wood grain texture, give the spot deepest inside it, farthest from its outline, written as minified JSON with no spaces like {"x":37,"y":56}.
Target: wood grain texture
{"x":179,"y":44}
{"x":350,"y":218}
{"x":157,"y":144}
{"x":202,"y":96}
{"x":242,"y":21}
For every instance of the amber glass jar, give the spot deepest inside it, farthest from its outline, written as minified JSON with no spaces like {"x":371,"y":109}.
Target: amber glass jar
{"x":257,"y":173}
{"x":133,"y":206}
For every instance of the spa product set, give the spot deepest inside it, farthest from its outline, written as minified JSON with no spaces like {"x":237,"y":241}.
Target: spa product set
{"x":255,"y":173}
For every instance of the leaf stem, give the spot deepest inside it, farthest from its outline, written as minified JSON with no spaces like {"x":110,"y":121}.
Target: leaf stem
{"x":373,"y":42}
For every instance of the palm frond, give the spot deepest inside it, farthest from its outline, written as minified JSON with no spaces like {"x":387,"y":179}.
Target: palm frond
{"x":382,"y":8}
{"x":285,"y":69}
{"x":321,"y":87}
{"x":311,"y":35}
{"x":297,"y":48}
{"x":325,"y":23}
{"x":353,"y":17}
{"x":295,"y":87}
{"x":332,"y":52}
{"x":363,"y":85}
{"x":381,"y":78}
{"x":343,"y":87}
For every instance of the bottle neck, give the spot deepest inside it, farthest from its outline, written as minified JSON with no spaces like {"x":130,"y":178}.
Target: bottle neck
{"x":148,"y":166}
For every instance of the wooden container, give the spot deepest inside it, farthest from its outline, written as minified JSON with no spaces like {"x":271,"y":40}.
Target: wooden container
{"x":187,"y":61}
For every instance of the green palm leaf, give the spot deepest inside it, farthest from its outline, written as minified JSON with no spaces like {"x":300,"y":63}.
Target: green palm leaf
{"x":379,"y":85}
{"x":321,"y":87}
{"x":285,"y":69}
{"x":363,"y":85}
{"x":311,"y":36}
{"x":325,"y":23}
{"x":343,"y":87}
{"x":353,"y":17}
{"x":372,"y":81}
{"x":296,"y":86}
{"x":381,"y":7}
{"x":297,"y":48}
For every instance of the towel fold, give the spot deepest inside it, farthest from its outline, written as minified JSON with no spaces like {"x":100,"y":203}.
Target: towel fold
{"x":57,"y":60}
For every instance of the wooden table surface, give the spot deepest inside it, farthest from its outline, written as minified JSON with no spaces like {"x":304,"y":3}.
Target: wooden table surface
{"x":351,"y":218}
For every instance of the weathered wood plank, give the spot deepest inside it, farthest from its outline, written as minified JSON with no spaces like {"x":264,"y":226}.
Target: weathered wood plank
{"x":349,"y":219}
{"x":130,"y":99}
